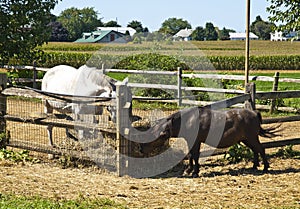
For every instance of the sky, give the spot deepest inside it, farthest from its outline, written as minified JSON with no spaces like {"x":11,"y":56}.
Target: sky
{"x":230,"y":14}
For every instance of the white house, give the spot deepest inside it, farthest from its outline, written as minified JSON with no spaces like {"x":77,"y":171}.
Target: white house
{"x":242,"y":36}
{"x":278,"y":36}
{"x":183,"y":35}
{"x":281,"y":36}
{"x":119,"y":29}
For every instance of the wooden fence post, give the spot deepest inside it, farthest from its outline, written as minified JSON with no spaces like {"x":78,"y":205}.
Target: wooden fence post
{"x":250,"y":89}
{"x":103,"y":68}
{"x":34,"y":75}
{"x":123,"y":98}
{"x":4,"y":138}
{"x":179,"y":84}
{"x":275,"y":88}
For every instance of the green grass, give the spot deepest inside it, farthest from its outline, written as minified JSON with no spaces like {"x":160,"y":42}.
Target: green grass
{"x":14,"y":202}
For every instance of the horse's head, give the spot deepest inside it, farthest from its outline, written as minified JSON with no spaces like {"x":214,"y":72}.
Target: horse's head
{"x":160,"y":134}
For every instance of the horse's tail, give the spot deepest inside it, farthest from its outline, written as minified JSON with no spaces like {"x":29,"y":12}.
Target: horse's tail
{"x":268,"y":132}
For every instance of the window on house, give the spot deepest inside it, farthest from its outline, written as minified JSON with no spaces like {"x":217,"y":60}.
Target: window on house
{"x":112,"y":37}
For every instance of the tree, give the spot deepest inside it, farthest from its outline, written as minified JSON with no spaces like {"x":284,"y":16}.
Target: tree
{"x":224,"y":34}
{"x":136,"y":25}
{"x":112,"y":23}
{"x":210,"y":32}
{"x":261,"y":28}
{"x":59,"y":33}
{"x":146,"y":30}
{"x":23,"y":27}
{"x":173,"y":25}
{"x":77,"y":21}
{"x":286,"y":13}
{"x":198,"y":34}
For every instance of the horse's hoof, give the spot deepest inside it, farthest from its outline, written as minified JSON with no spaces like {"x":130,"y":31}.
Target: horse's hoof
{"x":187,"y":172}
{"x":195,"y":175}
{"x":266,"y":171}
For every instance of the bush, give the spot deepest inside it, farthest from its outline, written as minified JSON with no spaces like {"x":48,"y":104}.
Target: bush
{"x":21,"y":156}
{"x":150,"y":61}
{"x":237,"y":153}
{"x":287,"y":152}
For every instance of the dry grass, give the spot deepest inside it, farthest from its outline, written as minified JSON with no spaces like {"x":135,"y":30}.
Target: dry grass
{"x":219,"y":186}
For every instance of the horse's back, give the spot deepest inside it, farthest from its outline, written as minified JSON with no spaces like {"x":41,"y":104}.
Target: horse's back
{"x":236,"y":124}
{"x":59,"y":79}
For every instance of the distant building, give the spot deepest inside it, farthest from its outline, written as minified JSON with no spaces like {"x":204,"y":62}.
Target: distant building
{"x":183,"y":35}
{"x":119,"y":29}
{"x":102,"y":36}
{"x":281,"y":36}
{"x":242,"y":36}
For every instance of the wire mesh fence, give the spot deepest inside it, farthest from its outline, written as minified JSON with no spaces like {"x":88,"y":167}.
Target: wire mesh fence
{"x":26,"y":127}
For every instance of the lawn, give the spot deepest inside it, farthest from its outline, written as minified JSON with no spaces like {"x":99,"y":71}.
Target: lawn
{"x":15,"y":201}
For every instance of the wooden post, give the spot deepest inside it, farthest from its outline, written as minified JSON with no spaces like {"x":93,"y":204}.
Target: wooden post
{"x":250,"y":89}
{"x":34,"y":75}
{"x":103,"y":69}
{"x":123,"y":98}
{"x":275,"y":88}
{"x":4,"y":139}
{"x":179,"y":84}
{"x":247,"y":47}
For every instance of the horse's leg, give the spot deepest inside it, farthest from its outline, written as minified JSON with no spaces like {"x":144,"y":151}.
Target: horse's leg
{"x":257,"y":147}
{"x":195,"y":157}
{"x":255,"y":154}
{"x":190,"y":165}
{"x":48,"y":109}
{"x":195,"y":153}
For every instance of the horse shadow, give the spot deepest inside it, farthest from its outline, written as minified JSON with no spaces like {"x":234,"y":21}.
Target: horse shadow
{"x":178,"y":171}
{"x":248,"y":171}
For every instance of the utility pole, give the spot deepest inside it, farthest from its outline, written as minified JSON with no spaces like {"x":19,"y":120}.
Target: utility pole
{"x":247,"y":50}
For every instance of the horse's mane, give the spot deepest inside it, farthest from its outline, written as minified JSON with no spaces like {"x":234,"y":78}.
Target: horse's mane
{"x":96,"y":76}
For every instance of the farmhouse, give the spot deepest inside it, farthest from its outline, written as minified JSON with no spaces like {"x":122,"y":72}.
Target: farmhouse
{"x":281,"y":36}
{"x":242,"y":36}
{"x":183,"y":35}
{"x":102,"y":36}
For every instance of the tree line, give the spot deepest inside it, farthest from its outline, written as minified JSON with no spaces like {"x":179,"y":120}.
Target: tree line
{"x":72,"y":22}
{"x":24,"y":25}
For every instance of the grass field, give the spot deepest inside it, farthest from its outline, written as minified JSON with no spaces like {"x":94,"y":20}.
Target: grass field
{"x":14,"y":201}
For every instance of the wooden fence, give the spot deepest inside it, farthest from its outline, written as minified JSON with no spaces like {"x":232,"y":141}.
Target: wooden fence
{"x":179,"y":87}
{"x":123,"y":100}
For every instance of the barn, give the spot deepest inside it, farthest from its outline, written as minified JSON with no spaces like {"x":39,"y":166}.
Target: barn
{"x":183,"y":35}
{"x":102,"y":36}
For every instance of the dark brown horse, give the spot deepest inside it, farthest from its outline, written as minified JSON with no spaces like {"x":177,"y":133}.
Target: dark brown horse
{"x":220,"y":129}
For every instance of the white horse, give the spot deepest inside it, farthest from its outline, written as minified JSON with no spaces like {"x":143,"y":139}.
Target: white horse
{"x":85,"y":81}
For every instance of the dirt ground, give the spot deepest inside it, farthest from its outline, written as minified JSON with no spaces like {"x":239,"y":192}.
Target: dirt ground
{"x":219,"y":185}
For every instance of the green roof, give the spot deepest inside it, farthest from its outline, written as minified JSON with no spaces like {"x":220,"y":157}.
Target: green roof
{"x":94,"y":36}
